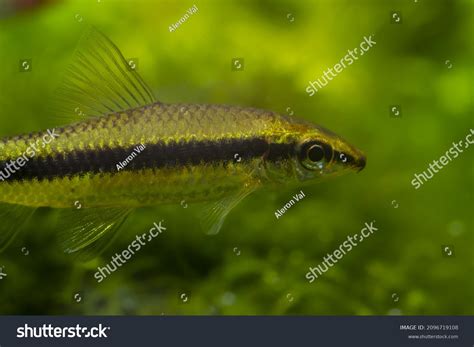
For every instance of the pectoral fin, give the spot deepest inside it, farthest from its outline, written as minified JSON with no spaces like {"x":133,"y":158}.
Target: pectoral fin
{"x":214,"y":214}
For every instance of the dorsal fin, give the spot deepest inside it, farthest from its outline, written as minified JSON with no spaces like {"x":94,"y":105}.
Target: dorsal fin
{"x":99,"y":81}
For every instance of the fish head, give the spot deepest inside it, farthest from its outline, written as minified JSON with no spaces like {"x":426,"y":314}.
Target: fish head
{"x":316,"y":153}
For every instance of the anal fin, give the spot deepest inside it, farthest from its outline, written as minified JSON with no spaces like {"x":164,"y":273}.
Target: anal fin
{"x":12,"y":219}
{"x":88,"y":232}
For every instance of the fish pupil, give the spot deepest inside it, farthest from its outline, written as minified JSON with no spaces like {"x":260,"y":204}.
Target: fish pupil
{"x":316,"y":153}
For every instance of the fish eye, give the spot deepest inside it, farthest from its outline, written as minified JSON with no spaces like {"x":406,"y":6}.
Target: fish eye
{"x":315,"y":155}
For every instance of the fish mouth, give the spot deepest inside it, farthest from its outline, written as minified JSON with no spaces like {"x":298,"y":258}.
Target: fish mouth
{"x":360,"y":163}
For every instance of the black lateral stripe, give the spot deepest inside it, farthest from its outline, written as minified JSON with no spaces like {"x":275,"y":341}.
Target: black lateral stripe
{"x":278,"y":151}
{"x":157,"y":156}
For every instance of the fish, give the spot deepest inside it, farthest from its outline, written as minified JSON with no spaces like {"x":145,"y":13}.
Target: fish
{"x":122,"y":149}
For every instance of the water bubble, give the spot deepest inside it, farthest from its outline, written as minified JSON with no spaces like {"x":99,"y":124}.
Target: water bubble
{"x":77,"y":297}
{"x":394,"y":203}
{"x":289,"y":297}
{"x":25,"y":251}
{"x":236,"y":251}
{"x":78,"y":205}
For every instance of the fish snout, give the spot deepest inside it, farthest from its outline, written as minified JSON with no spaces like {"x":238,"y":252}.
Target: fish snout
{"x":360,"y":163}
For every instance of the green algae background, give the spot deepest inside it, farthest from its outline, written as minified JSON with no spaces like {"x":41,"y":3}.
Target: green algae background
{"x":422,"y":63}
